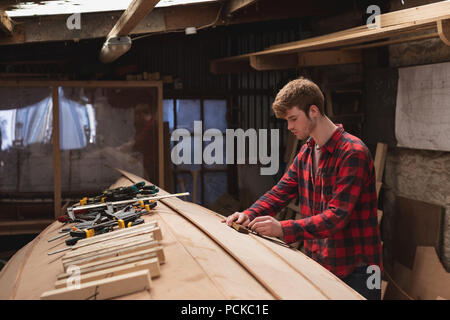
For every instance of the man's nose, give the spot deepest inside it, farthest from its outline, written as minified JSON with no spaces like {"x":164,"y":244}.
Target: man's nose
{"x":290,"y":126}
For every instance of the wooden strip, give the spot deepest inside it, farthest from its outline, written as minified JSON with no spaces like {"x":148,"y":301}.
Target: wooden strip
{"x":428,"y":12}
{"x":136,"y":11}
{"x":56,"y":154}
{"x":114,"y":252}
{"x":443,"y":27}
{"x":154,"y":233}
{"x":113,"y":234}
{"x":288,"y":61}
{"x":103,"y":289}
{"x":152,"y":265}
{"x":120,"y":260}
{"x":106,"y":245}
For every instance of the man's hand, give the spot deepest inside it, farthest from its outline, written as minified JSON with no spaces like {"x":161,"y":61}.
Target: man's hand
{"x":238,"y":217}
{"x":266,"y":226}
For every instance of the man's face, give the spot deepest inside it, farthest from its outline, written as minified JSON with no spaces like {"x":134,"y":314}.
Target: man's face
{"x":298,"y":123}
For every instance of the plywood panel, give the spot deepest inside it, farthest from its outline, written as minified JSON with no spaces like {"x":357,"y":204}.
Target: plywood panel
{"x":415,"y":223}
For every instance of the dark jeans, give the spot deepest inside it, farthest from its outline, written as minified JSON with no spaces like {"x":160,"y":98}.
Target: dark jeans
{"x":358,"y":281}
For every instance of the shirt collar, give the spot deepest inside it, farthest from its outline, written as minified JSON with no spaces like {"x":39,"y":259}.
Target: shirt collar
{"x":331,"y":144}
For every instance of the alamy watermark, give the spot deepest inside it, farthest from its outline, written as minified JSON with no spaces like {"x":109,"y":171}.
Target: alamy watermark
{"x":74,"y":21}
{"x":213,"y":153}
{"x":74,"y":280}
{"x":374,"y":280}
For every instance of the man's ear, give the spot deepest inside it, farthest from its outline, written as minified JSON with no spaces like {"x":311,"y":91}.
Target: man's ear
{"x":313,"y":111}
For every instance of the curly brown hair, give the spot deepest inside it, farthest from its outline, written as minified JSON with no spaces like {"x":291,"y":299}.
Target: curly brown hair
{"x":301,"y":93}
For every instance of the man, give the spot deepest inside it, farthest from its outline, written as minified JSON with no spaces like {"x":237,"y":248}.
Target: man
{"x":334,"y":178}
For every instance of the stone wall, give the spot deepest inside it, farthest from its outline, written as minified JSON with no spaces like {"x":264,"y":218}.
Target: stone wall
{"x":417,"y":174}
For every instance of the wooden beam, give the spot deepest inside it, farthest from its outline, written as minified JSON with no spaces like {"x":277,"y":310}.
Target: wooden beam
{"x":6,"y":24}
{"x":56,"y":154}
{"x":232,"y":6}
{"x":329,"y":57}
{"x":103,"y":289}
{"x":136,"y":11}
{"x":444,"y":30}
{"x":286,"y":61}
{"x":222,"y":66}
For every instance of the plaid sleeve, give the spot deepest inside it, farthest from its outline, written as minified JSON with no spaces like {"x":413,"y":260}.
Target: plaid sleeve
{"x":345,"y":193}
{"x":279,"y":196}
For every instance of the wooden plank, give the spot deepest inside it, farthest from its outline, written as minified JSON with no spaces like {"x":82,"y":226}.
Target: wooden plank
{"x":416,"y":223}
{"x":429,"y":279}
{"x":103,"y":289}
{"x":106,"y":245}
{"x":136,"y":11}
{"x":287,"y":61}
{"x":428,"y":12}
{"x":113,"y":252}
{"x":329,"y":57}
{"x":232,"y":6}
{"x":118,"y":261}
{"x":152,"y":265}
{"x":56,"y":154}
{"x":443,"y":27}
{"x":380,"y":160}
{"x":120,"y":233}
{"x":234,"y":66}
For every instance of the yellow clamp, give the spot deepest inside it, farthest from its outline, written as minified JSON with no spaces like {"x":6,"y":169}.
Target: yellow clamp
{"x":89,"y":232}
{"x":129,"y":224}
{"x":121,"y":223}
{"x":83,"y":201}
{"x":141,"y":203}
{"x":103,"y":199}
{"x":147,"y":207}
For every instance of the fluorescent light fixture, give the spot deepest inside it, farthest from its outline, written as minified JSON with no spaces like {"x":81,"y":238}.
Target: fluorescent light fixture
{"x":113,"y":48}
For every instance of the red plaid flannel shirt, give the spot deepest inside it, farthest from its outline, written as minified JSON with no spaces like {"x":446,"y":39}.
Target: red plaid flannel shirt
{"x":338,"y":207}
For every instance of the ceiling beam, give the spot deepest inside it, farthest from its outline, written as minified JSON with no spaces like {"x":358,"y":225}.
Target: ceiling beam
{"x":443,"y":27}
{"x":135,"y":13}
{"x":6,"y":24}
{"x":232,"y":6}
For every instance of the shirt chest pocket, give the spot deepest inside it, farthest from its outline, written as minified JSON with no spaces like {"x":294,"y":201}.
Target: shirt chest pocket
{"x":328,"y":182}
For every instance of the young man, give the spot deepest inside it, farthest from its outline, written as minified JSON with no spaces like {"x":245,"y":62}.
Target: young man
{"x":334,"y":178}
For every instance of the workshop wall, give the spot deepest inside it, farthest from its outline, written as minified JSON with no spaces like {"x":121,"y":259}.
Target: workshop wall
{"x":416,"y":174}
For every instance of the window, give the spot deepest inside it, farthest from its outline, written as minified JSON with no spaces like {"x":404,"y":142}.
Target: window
{"x":210,"y":180}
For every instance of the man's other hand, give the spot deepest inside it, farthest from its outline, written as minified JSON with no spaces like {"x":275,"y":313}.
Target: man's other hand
{"x":266,"y":226}
{"x":238,"y":217}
